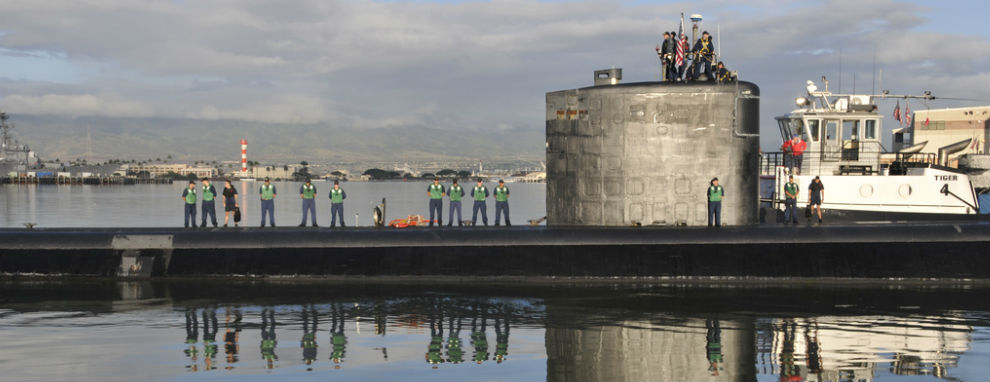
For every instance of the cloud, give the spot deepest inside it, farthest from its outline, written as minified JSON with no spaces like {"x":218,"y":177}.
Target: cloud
{"x":452,"y":65}
{"x":76,"y":105}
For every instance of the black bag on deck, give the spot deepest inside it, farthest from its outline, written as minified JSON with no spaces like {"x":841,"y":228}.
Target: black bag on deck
{"x":237,"y":214}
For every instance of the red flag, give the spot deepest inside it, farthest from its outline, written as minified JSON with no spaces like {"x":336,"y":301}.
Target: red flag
{"x":907,"y":115}
{"x":681,"y":43}
{"x":926,"y":121}
{"x":897,"y":112}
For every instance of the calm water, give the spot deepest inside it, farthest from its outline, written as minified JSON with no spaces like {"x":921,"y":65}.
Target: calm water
{"x":468,"y":330}
{"x":160,"y":206}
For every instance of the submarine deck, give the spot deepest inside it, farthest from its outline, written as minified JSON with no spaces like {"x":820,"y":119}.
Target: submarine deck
{"x":870,"y":250}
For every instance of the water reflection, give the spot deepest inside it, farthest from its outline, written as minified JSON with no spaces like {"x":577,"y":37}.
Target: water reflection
{"x":557,"y":333}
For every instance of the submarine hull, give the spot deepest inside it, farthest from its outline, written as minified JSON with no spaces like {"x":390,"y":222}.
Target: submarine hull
{"x":644,"y":153}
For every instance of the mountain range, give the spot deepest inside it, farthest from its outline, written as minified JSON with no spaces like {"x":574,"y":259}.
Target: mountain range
{"x":54,"y":137}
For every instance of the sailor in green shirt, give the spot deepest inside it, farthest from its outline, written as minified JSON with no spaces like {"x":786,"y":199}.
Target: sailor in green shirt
{"x":307,"y":192}
{"x":189,"y":198}
{"x":268,"y":192}
{"x":791,"y":191}
{"x":502,"y":202}
{"x":455,"y":193}
{"x":480,"y":194}
{"x":715,"y":195}
{"x":337,"y":196}
{"x":209,"y":203}
{"x":268,"y":341}
{"x":436,"y":192}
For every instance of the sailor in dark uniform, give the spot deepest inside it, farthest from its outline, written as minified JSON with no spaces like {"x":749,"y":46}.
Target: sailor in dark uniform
{"x":704,"y":52}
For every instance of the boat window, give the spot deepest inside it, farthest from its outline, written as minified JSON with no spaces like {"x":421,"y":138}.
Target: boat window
{"x":850,"y":130}
{"x":831,"y":129}
{"x":785,"y":129}
{"x":870,"y":131}
{"x":813,"y":127}
{"x":797,"y":127}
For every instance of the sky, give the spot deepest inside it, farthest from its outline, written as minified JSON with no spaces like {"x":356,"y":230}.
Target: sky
{"x":457,"y":64}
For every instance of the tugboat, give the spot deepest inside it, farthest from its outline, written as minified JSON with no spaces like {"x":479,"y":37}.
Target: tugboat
{"x":863,"y":181}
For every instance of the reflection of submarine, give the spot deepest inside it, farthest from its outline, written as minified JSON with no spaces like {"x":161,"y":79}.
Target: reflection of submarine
{"x":651,"y":351}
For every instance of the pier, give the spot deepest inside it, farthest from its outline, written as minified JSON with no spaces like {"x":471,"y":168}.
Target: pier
{"x":958,"y":251}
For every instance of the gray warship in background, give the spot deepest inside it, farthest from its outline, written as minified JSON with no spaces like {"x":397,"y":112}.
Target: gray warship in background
{"x":14,"y":157}
{"x":645,"y":153}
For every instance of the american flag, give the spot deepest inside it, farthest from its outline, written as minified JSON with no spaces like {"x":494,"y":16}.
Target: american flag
{"x":897,"y":112}
{"x":680,"y":44}
{"x":907,"y":115}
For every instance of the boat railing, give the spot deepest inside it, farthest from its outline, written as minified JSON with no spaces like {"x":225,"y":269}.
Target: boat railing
{"x":769,"y":161}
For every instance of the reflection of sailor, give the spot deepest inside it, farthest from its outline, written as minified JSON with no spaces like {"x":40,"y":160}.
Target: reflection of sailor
{"x":231,"y":336}
{"x":478,"y":338}
{"x":713,"y":346}
{"x":209,"y":337}
{"x":455,"y":351}
{"x":813,"y":351}
{"x":192,"y":336}
{"x":788,"y":370}
{"x":434,"y":352}
{"x":308,"y":343}
{"x":337,"y":338}
{"x":268,"y":341}
{"x":501,"y":337}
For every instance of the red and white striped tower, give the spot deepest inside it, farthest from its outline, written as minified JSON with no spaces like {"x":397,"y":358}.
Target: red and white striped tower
{"x":243,"y":157}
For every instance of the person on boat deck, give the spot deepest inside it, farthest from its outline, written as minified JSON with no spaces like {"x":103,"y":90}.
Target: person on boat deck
{"x":189,"y":197}
{"x":793,"y":153}
{"x":704,"y":52}
{"x":502,"y":202}
{"x":337,"y":196}
{"x":791,"y":191}
{"x":816,"y":192}
{"x":715,"y":195}
{"x":268,"y":194}
{"x":436,"y":192}
{"x":209,"y":205}
{"x":307,"y":192}
{"x":455,"y":193}
{"x":480,"y":194}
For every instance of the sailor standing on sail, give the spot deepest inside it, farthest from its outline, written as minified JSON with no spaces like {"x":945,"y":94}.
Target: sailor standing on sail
{"x":436,"y":193}
{"x":704,"y":51}
{"x":662,"y":52}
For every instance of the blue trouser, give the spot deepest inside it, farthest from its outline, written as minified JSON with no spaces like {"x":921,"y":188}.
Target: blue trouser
{"x":479,"y":205}
{"x":309,"y":206}
{"x":210,"y":207}
{"x":436,"y":205}
{"x":190,"y":214}
{"x":708,"y":69}
{"x":455,"y":205}
{"x":715,"y":213}
{"x":790,"y":210}
{"x":502,"y":207}
{"x":681,"y":69}
{"x":269,"y":207}
{"x":336,"y":209}
{"x":672,"y":71}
